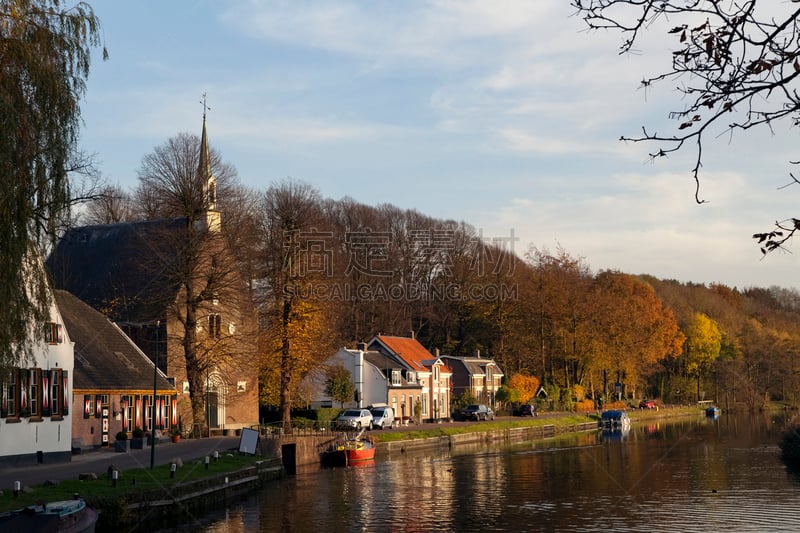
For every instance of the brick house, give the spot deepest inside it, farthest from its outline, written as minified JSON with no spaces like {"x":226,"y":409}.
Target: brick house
{"x":113,"y":379}
{"x":481,"y":377}
{"x":416,"y":365}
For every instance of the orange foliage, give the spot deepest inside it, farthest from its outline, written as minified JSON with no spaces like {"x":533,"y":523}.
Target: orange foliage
{"x":527,"y":386}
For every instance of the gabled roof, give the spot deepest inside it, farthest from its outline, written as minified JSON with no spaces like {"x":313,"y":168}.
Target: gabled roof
{"x":105,"y":358}
{"x":408,"y":350}
{"x":378,"y":360}
{"x":476,"y":366}
{"x":122,"y":269}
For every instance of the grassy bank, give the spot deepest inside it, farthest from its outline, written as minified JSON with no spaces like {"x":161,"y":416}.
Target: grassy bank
{"x":132,"y":483}
{"x":559,"y":420}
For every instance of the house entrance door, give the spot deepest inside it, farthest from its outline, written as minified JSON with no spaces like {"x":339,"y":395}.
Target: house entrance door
{"x":213,"y":410}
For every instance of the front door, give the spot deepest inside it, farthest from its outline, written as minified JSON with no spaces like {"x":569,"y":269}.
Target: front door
{"x":212,"y":410}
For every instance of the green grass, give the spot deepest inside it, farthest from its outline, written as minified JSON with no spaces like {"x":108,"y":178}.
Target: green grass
{"x":439,"y":430}
{"x":131,"y":482}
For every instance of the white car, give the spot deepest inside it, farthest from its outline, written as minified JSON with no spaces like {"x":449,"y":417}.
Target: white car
{"x":354,"y":418}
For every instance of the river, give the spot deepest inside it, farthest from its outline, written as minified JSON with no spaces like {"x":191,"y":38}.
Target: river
{"x":686,"y":475}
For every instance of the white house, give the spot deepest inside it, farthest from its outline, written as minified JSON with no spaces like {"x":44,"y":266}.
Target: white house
{"x":35,"y":418}
{"x":377,"y":379}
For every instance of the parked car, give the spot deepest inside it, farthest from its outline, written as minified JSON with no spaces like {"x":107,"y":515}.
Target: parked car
{"x":647,"y":404}
{"x":354,"y":418}
{"x":477,"y":411}
{"x":526,"y":410}
{"x":382,"y":417}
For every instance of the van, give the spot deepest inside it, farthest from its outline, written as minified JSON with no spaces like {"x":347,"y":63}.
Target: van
{"x":382,"y":417}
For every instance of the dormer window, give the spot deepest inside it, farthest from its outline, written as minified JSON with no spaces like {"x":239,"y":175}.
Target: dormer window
{"x":396,"y":378}
{"x":411,"y":376}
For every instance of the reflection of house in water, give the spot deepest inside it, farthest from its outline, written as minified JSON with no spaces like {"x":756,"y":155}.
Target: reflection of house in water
{"x":135,"y":273}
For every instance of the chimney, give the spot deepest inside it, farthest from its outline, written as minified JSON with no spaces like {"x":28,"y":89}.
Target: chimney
{"x":362,"y":346}
{"x":437,"y":352}
{"x":412,"y":333}
{"x":478,"y":353}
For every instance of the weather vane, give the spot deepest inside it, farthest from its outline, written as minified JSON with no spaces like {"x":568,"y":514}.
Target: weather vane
{"x":205,"y":106}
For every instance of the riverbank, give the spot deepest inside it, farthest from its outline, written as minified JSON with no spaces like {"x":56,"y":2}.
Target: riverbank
{"x":161,"y":496}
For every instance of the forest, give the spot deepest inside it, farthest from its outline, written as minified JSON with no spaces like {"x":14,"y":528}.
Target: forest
{"x":327,"y":273}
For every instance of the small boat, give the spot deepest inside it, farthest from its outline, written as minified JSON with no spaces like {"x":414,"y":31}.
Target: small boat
{"x":615,"y":420}
{"x":67,"y":516}
{"x":353,"y":450}
{"x":713,"y":411}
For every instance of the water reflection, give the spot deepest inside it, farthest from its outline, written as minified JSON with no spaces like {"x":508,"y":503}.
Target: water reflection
{"x":693,"y":475}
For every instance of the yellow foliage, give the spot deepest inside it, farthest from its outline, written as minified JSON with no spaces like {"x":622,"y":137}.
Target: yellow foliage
{"x":527,"y":386}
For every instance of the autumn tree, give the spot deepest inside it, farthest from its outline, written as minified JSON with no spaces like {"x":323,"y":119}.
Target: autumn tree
{"x":527,"y":386}
{"x":45,"y":52}
{"x":703,"y":346}
{"x":634,"y":330}
{"x":297,"y":325}
{"x":339,"y":384}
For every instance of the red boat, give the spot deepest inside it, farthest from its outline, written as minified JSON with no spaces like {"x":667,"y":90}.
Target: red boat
{"x":353,"y":450}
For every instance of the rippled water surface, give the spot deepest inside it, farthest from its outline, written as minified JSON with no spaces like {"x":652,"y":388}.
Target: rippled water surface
{"x":694,"y":475}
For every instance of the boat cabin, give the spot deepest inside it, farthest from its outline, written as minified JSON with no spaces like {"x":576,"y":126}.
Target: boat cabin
{"x":615,"y":420}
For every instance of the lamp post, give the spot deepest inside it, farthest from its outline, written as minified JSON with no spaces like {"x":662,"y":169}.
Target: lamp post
{"x":155,"y":387}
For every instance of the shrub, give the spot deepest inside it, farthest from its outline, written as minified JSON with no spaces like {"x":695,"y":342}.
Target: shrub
{"x":138,"y":433}
{"x":122,"y":435}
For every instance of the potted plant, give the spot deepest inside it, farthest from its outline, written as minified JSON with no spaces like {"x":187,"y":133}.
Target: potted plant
{"x":176,"y":434}
{"x":137,"y":442}
{"x":121,"y":444}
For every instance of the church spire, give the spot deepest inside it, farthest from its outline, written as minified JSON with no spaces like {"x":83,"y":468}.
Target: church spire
{"x":206,"y":177}
{"x":204,"y":168}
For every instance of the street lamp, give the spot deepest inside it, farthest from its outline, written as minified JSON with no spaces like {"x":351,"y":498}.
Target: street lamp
{"x":153,"y":419}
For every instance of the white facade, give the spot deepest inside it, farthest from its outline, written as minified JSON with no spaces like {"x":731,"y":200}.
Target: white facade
{"x":368,"y":381}
{"x":35,"y":414}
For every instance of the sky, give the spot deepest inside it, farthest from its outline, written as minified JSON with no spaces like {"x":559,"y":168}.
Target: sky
{"x":506,"y":115}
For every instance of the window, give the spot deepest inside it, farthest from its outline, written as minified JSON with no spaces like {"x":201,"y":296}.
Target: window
{"x":126,"y":406}
{"x":214,"y":325}
{"x":52,"y":333}
{"x":411,"y":376}
{"x":56,"y":398}
{"x":396,"y":378}
{"x":11,"y":397}
{"x":35,"y":388}
{"x":148,"y":412}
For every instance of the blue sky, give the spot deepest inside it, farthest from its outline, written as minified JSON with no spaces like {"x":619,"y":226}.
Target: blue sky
{"x":505,"y":114}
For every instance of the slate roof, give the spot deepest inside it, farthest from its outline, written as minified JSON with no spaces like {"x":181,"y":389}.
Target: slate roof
{"x":105,"y":358}
{"x":121,"y":268}
{"x":476,"y":366}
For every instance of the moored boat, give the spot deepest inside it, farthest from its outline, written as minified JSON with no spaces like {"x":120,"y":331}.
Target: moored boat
{"x":350,"y":451}
{"x":67,"y":516}
{"x":615,"y":420}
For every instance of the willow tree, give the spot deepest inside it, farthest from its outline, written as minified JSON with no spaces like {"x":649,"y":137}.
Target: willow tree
{"x":45,"y":52}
